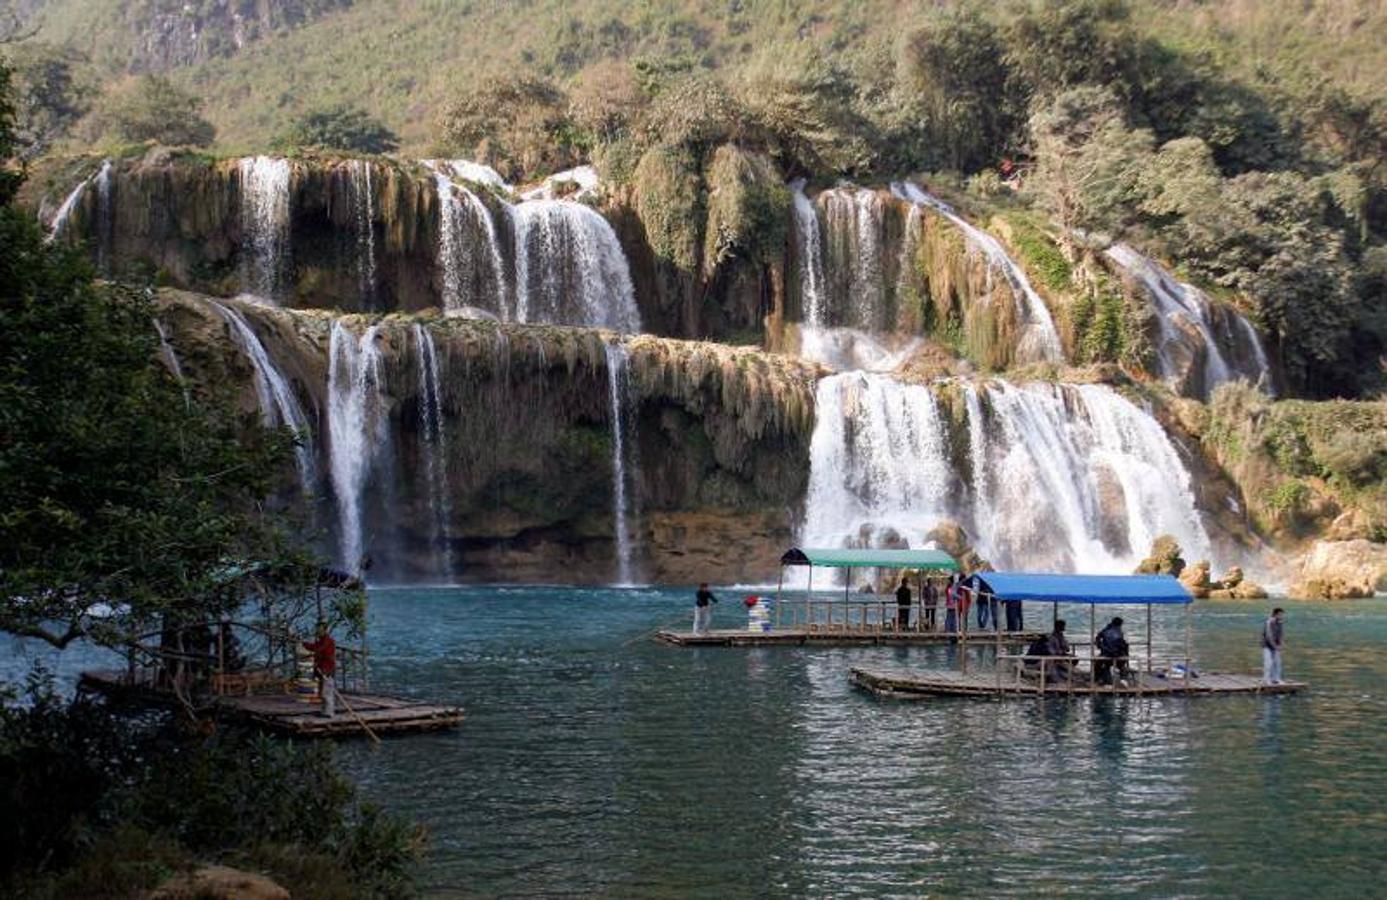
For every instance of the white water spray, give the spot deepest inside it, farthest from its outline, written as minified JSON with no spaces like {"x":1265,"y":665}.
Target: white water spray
{"x":434,"y":446}
{"x":811,"y":264}
{"x":1063,"y":477}
{"x":465,"y":285}
{"x":265,"y":212}
{"x":363,"y":196}
{"x":278,"y":404}
{"x":358,"y":423}
{"x":569,"y":267}
{"x":617,"y":376}
{"x":1039,"y":339}
{"x":1182,"y":309}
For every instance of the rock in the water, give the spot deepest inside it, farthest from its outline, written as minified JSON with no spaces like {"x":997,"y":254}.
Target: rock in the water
{"x":950,"y":537}
{"x":1341,"y":570}
{"x":1196,"y":579}
{"x":219,"y":883}
{"x":1231,"y":579}
{"x":1165,"y":558}
{"x":1249,"y":590}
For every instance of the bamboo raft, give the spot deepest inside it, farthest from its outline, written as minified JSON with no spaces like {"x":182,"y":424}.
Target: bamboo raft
{"x":919,"y":686}
{"x":823,"y":636}
{"x":293,"y":714}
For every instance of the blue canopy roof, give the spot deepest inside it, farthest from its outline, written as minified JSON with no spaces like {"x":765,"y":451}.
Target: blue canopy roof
{"x":1049,"y":588}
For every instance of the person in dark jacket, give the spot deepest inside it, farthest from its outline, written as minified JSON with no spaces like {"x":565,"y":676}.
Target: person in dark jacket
{"x":703,"y":608}
{"x":1273,"y":631}
{"x":1113,"y":651}
{"x":903,"y":606}
{"x":929,"y":606}
{"x":1058,"y":645}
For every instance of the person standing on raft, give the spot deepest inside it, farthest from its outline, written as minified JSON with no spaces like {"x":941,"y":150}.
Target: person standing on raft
{"x":1272,"y":642}
{"x":703,"y":608}
{"x":903,"y":606}
{"x":324,"y":668}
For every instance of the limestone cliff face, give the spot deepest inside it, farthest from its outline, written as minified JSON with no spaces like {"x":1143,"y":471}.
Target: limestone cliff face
{"x":717,"y":442}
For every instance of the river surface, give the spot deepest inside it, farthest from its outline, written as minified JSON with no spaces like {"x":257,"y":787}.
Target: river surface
{"x":594,"y":761}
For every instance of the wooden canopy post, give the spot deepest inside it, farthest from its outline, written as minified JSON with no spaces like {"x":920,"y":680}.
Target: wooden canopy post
{"x":779,"y":583}
{"x":1093,"y":640}
{"x":1187,"y":643}
{"x":847,"y":586}
{"x":1149,"y":668}
{"x":809,"y":601}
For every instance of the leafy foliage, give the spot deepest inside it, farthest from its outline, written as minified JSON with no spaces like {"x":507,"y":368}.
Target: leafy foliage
{"x":342,"y":128}
{"x":153,"y":108}
{"x":518,"y":124}
{"x":89,"y":781}
{"x":119,"y":492}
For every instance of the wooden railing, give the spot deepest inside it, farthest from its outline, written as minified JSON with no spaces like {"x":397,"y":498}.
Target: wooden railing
{"x":233,"y":657}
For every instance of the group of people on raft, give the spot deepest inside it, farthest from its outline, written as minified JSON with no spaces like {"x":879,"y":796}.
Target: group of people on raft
{"x":1113,"y":660}
{"x":958,"y":598}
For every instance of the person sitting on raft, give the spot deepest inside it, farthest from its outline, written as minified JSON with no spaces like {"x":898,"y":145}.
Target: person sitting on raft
{"x":1114,"y":650}
{"x":1056,"y":645}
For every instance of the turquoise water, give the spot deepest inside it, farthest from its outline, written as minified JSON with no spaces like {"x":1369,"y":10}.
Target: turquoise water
{"x":594,"y":761}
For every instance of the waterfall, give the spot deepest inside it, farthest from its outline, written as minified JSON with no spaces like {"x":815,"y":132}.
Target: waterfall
{"x":811,"y":265}
{"x":1063,"y":477}
{"x":278,"y":404}
{"x":878,"y":461}
{"x":617,"y":390}
{"x":364,"y":218}
{"x":470,"y":283}
{"x":569,"y":267}
{"x":1039,"y":340}
{"x":102,"y":180}
{"x":358,"y":424}
{"x":853,"y":225}
{"x":264,"y":224}
{"x":1085,"y":479}
{"x":168,"y":354}
{"x":433,"y":446}
{"x":983,"y":526}
{"x":466,"y":170}
{"x":1183,"y":310}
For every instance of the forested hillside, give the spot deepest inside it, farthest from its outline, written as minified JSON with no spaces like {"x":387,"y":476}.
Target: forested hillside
{"x":1243,"y":139}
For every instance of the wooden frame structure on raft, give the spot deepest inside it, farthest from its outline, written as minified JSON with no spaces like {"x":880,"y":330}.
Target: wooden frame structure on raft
{"x":1037,"y":675}
{"x":849,"y":619}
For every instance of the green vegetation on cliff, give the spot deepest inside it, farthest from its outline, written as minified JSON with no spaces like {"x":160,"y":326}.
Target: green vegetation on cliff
{"x":1241,"y":140}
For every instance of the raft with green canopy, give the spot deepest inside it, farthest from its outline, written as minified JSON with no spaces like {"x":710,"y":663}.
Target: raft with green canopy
{"x":875,"y":613}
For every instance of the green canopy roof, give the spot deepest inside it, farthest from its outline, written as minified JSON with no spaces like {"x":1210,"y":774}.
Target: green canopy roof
{"x":862,"y":559}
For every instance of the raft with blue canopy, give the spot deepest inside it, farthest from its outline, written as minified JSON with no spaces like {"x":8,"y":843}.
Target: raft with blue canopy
{"x":1040,"y":669}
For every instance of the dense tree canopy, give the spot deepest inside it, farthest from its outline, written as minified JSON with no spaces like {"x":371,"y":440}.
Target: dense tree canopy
{"x":343,"y":128}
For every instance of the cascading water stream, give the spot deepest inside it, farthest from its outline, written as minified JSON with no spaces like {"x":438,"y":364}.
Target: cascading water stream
{"x":1183,"y":309}
{"x":168,"y":354}
{"x":1039,"y":341}
{"x":1063,"y":477}
{"x":570,"y":268}
{"x":363,"y":196}
{"x":358,"y":423}
{"x":853,"y":222}
{"x":465,"y":287}
{"x":264,"y":183}
{"x":434,"y":446}
{"x":811,"y":264}
{"x":278,"y":404}
{"x":878,"y":462}
{"x":617,"y":390}
{"x":102,"y":182}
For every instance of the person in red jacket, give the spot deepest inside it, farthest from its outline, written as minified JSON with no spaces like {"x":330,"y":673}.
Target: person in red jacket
{"x":324,"y":667}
